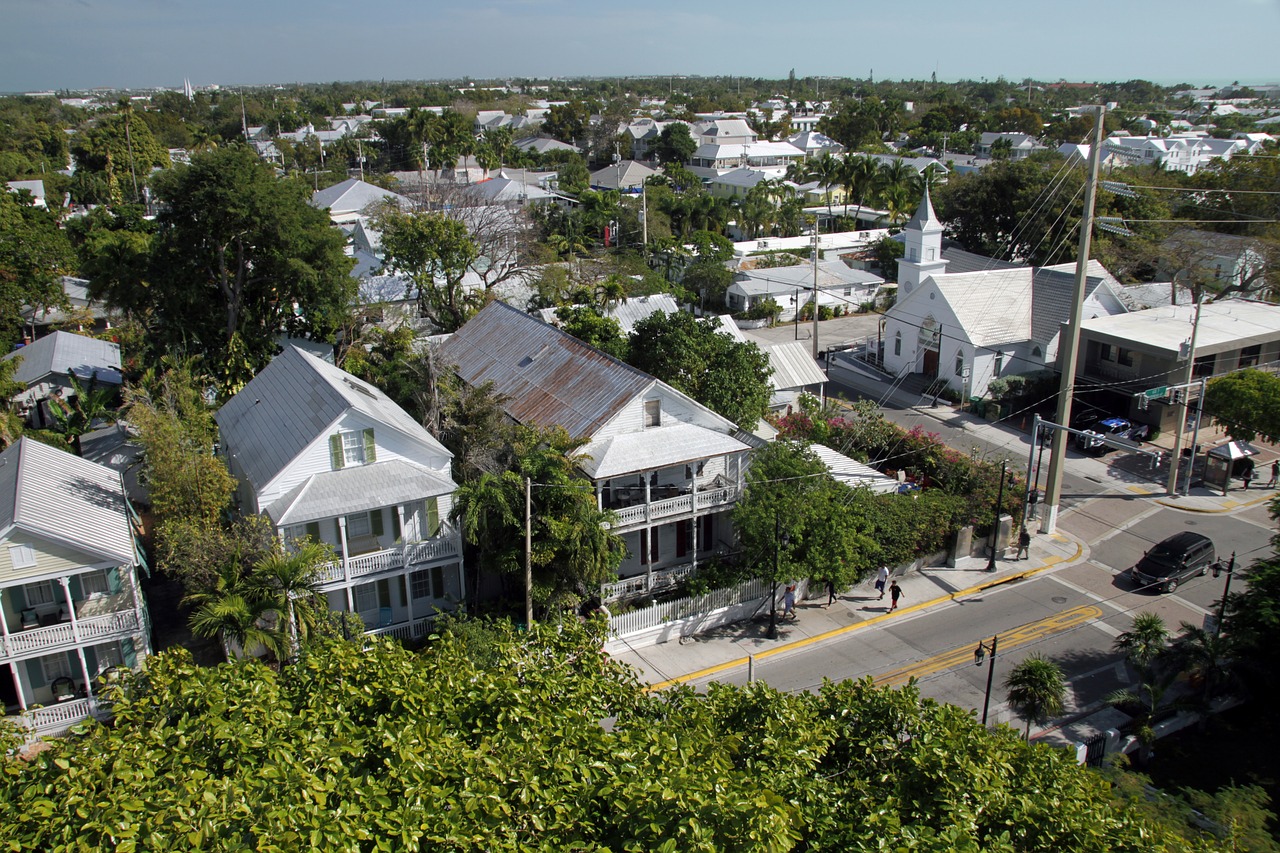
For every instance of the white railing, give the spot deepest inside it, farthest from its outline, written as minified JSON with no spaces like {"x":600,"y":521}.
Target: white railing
{"x":679,"y":505}
{"x":654,"y":581}
{"x":390,"y":558}
{"x":405,"y":630}
{"x":58,"y":719}
{"x":57,"y":636}
{"x":670,"y":611}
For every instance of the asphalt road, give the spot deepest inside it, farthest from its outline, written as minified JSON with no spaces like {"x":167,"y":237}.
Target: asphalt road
{"x":1071,"y":615}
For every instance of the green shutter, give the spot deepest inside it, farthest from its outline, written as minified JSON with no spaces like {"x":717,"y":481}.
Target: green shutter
{"x":395,"y":524}
{"x":375,"y":521}
{"x":313,"y":530}
{"x":35,"y":673}
{"x":128,"y":654}
{"x":384,"y":593}
{"x":19,"y":598}
{"x":337,"y":531}
{"x":75,"y":589}
{"x":335,"y":451}
{"x":91,"y":659}
{"x":370,"y":450}
{"x":433,"y":516}
{"x":114,"y":583}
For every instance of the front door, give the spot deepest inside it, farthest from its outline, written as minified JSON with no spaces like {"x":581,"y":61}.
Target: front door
{"x":930,"y":363}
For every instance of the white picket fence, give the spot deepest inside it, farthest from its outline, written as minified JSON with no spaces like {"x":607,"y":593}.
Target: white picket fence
{"x":684,"y":617}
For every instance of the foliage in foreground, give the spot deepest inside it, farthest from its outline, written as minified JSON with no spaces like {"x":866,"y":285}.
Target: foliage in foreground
{"x":496,"y":740}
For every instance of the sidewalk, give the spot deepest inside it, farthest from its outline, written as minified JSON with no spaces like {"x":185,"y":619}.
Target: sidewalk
{"x":727,"y":648}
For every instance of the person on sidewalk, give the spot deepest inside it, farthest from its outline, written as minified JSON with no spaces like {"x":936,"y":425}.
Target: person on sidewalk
{"x":831,"y":592}
{"x":1275,"y":474}
{"x":1024,"y":545}
{"x":789,"y":602}
{"x":895,"y":592}
{"x":1248,"y":474}
{"x":882,"y":577}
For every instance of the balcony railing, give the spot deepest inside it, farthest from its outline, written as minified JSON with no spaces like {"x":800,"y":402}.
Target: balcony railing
{"x":95,"y":629}
{"x":59,"y":719}
{"x":391,"y":558}
{"x":679,"y":505}
{"x":658,"y":579}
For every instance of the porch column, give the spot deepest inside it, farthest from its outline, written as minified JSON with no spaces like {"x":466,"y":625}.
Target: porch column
{"x":4,"y":628}
{"x":404,"y":538}
{"x":462,"y":580}
{"x":599,"y":497}
{"x":693,"y":514}
{"x":648,"y":538}
{"x":408,"y":597}
{"x":17,"y":686}
{"x":65,"y":580}
{"x":342,"y":541}
{"x":84,"y":670}
{"x":131,"y":572}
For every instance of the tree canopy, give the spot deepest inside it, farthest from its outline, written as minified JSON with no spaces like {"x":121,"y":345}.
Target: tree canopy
{"x":728,"y":377}
{"x":1246,"y":404}
{"x":434,"y":251}
{"x":34,"y":255}
{"x":497,"y":740}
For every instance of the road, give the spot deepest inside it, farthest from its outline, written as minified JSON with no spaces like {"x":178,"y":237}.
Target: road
{"x":1071,"y":615}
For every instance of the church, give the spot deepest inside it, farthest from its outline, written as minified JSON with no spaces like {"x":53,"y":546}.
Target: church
{"x":969,"y":319}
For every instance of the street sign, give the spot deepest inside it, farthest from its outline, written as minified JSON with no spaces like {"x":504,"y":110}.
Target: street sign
{"x":1156,"y":393}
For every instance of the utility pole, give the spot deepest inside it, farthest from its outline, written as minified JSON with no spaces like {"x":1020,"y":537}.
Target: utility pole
{"x":528,"y":553}
{"x":1180,"y":424}
{"x":816,"y":222}
{"x":1071,"y":340}
{"x":644,"y":216}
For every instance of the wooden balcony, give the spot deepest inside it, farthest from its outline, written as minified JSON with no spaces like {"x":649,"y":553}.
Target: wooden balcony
{"x":55,"y":720}
{"x":42,"y":641}
{"x":376,"y":562}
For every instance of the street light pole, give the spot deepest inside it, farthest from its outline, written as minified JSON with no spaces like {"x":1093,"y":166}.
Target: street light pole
{"x":995,"y":530}
{"x":1226,"y":591}
{"x":979,"y":654}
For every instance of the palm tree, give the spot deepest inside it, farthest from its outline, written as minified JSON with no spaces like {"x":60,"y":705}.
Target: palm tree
{"x":1144,"y":642}
{"x":243,"y":619}
{"x":829,"y":173}
{"x":487,"y":509}
{"x":859,"y":179}
{"x":1206,"y":658}
{"x":288,"y":579}
{"x":1036,"y":690}
{"x":1145,"y":647}
{"x":88,"y":404}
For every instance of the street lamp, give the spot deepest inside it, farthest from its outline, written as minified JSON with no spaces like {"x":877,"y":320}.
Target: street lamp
{"x":995,"y":529}
{"x":1226,"y":590}
{"x":979,"y":655}
{"x":779,"y":539}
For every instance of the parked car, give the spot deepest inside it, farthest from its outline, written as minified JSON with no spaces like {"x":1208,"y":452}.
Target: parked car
{"x":1091,"y":439}
{"x":1181,"y":556}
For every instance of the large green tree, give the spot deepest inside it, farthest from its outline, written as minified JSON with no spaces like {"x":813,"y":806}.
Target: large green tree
{"x":1246,"y":404}
{"x":497,"y":740}
{"x":239,"y":257}
{"x":675,"y":144}
{"x":34,"y":255}
{"x":434,"y":252}
{"x":728,"y":377}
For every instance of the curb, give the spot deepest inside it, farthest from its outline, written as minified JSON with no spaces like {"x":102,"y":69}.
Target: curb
{"x":1049,"y":563}
{"x":1171,"y":504}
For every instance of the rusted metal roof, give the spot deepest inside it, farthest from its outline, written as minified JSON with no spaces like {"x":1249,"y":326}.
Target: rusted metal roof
{"x":549,"y":377}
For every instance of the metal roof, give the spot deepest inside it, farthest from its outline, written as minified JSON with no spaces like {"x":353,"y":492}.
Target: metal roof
{"x":291,"y":402}
{"x":64,"y":352}
{"x":853,"y":473}
{"x":351,"y":196}
{"x":549,"y":377}
{"x":658,"y":447}
{"x":60,"y":497}
{"x":358,"y":489}
{"x":628,"y":312}
{"x":793,"y":366}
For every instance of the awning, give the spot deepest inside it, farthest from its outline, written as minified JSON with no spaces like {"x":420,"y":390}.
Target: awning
{"x":357,"y":489}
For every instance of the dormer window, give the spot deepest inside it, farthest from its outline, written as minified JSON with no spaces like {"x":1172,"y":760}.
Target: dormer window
{"x":352,"y":448}
{"x":652,"y":413}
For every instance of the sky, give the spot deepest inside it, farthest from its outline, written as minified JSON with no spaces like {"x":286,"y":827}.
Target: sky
{"x":81,"y":44}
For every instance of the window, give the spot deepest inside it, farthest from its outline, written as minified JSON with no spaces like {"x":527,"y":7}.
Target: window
{"x":22,"y":556}
{"x":55,"y":666}
{"x":1204,"y":366}
{"x":999,"y":364}
{"x":652,"y":413}
{"x":1249,"y":356}
{"x":94,"y":583}
{"x":420,"y":584}
{"x":1124,"y":357}
{"x":650,"y":554}
{"x":959,"y":364}
{"x":352,"y":448}
{"x":38,"y":593}
{"x":358,"y":525}
{"x":366,"y":597}
{"x":1106,"y":352}
{"x":897,"y":343}
{"x":930,"y":254}
{"x":1036,"y":352}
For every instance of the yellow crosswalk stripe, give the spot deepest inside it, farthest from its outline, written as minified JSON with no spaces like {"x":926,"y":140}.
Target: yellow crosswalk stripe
{"x":1013,"y":638}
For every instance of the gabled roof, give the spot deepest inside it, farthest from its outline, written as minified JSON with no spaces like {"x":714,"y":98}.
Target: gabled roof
{"x":1053,"y":289}
{"x":992,"y":307}
{"x":503,"y":188}
{"x":831,"y":274}
{"x":293,"y":401}
{"x":959,"y":261}
{"x":628,"y":312}
{"x":626,"y":174}
{"x":65,"y":352}
{"x":57,"y":496}
{"x":853,"y":473}
{"x":549,"y":377}
{"x":351,"y":196}
{"x":656,"y":447}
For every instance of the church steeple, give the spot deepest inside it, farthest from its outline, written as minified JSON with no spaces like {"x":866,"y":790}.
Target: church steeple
{"x":923,"y":240}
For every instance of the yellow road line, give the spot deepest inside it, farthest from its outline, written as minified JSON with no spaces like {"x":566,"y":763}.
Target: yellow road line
{"x":1029,"y":633}
{"x":715,"y":669}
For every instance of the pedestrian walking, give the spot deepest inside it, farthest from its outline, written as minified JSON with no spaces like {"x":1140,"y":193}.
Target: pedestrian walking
{"x":1275,"y":473}
{"x":831,"y":592}
{"x":1024,"y":545}
{"x":895,"y":592}
{"x":789,"y":601}
{"x":1248,"y":474}
{"x":882,"y":577}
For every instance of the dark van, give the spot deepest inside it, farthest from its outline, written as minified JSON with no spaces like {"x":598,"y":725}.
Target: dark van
{"x":1177,"y":558}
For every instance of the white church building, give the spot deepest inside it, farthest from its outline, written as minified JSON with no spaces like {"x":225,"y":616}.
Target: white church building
{"x":970,"y":319}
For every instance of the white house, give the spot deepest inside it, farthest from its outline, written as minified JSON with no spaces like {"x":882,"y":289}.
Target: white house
{"x":347,"y":201}
{"x":839,"y":286}
{"x":45,"y":368}
{"x":328,"y":457}
{"x":670,"y":468}
{"x":70,"y":607}
{"x":984,"y":318}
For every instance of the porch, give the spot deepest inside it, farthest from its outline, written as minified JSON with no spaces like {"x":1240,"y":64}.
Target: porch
{"x":57,"y":720}
{"x":52,"y":614}
{"x":400,"y":604}
{"x":634,"y":506}
{"x":47,"y":690}
{"x":372,"y":562}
